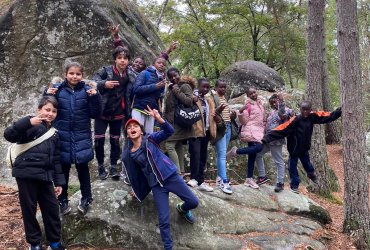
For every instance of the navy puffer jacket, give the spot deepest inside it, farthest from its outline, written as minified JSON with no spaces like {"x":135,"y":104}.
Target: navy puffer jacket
{"x":75,"y":109}
{"x":145,"y":92}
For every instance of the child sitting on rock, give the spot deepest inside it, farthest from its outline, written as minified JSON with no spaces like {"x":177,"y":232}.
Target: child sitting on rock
{"x":299,"y":132}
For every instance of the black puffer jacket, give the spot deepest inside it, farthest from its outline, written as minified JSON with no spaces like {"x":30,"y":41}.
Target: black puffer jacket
{"x":41,"y":162}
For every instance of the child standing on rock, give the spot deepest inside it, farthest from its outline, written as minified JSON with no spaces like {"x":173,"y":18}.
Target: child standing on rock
{"x":38,"y":173}
{"x":299,"y":132}
{"x":278,"y":115}
{"x":251,"y":117}
{"x":78,"y":104}
{"x":149,"y":169}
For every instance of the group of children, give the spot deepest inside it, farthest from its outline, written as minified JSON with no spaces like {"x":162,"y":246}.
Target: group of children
{"x":141,"y":98}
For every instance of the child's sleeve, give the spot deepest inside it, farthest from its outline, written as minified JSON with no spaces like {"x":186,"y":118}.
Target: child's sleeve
{"x":165,"y":132}
{"x":184,"y":94}
{"x":140,"y":86}
{"x":59,"y":179}
{"x":117,"y":41}
{"x":322,"y":117}
{"x":95,"y":105}
{"x":15,"y":132}
{"x":100,"y":78}
{"x":281,"y":131}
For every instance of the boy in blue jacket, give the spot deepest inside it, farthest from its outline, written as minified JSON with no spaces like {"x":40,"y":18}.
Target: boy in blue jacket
{"x":149,"y":169}
{"x":298,"y":131}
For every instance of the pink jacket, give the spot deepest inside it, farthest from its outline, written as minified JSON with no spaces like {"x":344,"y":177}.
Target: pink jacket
{"x":252,"y":121}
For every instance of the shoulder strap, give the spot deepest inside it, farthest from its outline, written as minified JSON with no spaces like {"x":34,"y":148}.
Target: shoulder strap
{"x":17,"y":149}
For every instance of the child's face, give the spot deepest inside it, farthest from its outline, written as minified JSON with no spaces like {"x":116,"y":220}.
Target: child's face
{"x":74,"y":75}
{"x":204,"y":88}
{"x":133,"y":130}
{"x":174,"y":77}
{"x":48,"y":111}
{"x":252,"y":93}
{"x":305,"y":110}
{"x":221,"y":88}
{"x":160,"y":64}
{"x":273,"y":103}
{"x":121,"y":62}
{"x":138,"y":65}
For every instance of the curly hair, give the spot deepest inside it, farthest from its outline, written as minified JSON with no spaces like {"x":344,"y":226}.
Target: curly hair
{"x":189,"y":80}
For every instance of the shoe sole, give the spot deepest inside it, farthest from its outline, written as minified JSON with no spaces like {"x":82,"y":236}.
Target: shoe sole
{"x":249,"y":185}
{"x":278,"y":190}
{"x":205,"y":190}
{"x":115,"y":177}
{"x":103,"y":178}
{"x":81,"y":210}
{"x":296,"y":192}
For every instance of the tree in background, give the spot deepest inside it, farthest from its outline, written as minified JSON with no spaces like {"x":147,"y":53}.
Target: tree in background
{"x":356,"y":192}
{"x":316,"y":77}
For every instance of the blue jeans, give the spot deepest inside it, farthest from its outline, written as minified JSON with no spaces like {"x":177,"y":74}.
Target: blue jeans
{"x":174,"y":184}
{"x":221,"y":148}
{"x":293,"y":171}
{"x":252,"y":150}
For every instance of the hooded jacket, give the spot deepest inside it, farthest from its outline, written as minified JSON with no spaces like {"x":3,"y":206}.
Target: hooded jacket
{"x":41,"y":162}
{"x":161,"y":165}
{"x":252,"y":121}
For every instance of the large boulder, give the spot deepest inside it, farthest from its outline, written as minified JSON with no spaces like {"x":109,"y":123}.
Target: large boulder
{"x":262,"y":217}
{"x":37,"y":37}
{"x":241,"y":75}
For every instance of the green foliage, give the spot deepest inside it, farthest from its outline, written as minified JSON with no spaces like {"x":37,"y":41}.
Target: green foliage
{"x":73,"y":189}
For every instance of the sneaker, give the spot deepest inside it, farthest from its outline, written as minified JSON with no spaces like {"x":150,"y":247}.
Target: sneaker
{"x":218,"y":181}
{"x":64,"y":207}
{"x":192,"y":183}
{"x":186,"y":214}
{"x":102,"y":174}
{"x":84,"y":204}
{"x":205,"y":187}
{"x":314,"y":178}
{"x":279,"y":187}
{"x":294,"y":190}
{"x":35,"y":247}
{"x":57,"y":246}
{"x":125,"y":178}
{"x":113,"y":173}
{"x":249,"y":182}
{"x":225,"y":186}
{"x":232,"y":152}
{"x":262,"y":180}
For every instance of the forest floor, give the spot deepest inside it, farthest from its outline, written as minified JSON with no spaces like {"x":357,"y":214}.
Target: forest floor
{"x":12,"y":234}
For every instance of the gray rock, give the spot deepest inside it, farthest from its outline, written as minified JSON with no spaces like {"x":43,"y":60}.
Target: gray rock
{"x":37,"y":37}
{"x":241,"y":75}
{"x":116,"y":219}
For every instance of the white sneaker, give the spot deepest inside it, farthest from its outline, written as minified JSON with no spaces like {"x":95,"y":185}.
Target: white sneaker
{"x":192,"y":183}
{"x":205,"y":187}
{"x":225,"y":187}
{"x":251,"y":183}
{"x":218,"y":181}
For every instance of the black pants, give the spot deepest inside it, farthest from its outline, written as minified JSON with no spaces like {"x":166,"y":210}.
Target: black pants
{"x":198,"y":150}
{"x":32,"y":192}
{"x":114,"y":132}
{"x":84,"y":178}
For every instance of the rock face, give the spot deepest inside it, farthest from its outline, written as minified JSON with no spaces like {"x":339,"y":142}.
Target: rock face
{"x":37,"y":37}
{"x":253,"y":216}
{"x":241,"y":75}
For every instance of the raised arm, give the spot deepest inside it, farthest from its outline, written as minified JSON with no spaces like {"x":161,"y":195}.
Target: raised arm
{"x":281,"y":131}
{"x":166,"y":128}
{"x":322,"y":117}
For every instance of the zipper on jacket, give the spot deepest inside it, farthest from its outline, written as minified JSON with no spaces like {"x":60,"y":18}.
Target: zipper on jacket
{"x":147,"y":155}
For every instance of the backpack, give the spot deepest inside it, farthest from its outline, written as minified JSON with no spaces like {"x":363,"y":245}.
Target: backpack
{"x":15,"y":149}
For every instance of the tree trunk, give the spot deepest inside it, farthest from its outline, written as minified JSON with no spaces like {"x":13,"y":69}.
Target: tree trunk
{"x":159,"y":20}
{"x":314,"y":76}
{"x":356,"y":192}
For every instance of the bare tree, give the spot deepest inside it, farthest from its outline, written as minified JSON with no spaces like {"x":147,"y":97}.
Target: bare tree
{"x":356,"y":192}
{"x":159,"y":20}
{"x":314,"y":89}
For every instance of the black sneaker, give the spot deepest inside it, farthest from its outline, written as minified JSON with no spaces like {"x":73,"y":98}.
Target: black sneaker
{"x":35,"y":247}
{"x":262,"y":180}
{"x":102,"y":174}
{"x":84,"y":204}
{"x":294,"y":190}
{"x":279,"y":187}
{"x":64,"y":207}
{"x":113,"y":173}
